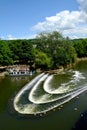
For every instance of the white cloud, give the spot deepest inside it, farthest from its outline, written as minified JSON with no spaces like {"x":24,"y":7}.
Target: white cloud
{"x":10,"y":37}
{"x":83,"y":5}
{"x":71,"y":24}
{"x":29,"y":37}
{"x":63,"y":20}
{"x":79,"y":32}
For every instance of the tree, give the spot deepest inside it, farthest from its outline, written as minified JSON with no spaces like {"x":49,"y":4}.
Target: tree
{"x":22,"y":50}
{"x":60,"y":49}
{"x":28,"y":52}
{"x":48,"y":41}
{"x":80,"y":46}
{"x":15,"y":47}
{"x":42,"y":60}
{"x":5,"y":54}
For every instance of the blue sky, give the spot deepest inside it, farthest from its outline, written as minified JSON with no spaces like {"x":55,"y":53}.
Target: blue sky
{"x":25,"y":18}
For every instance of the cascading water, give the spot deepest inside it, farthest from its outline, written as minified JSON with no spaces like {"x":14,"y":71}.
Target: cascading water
{"x":46,"y":92}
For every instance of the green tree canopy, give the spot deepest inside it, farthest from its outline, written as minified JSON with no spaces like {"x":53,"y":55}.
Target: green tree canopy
{"x":22,"y":51}
{"x":60,"y":49}
{"x":5,"y":54}
{"x":42,"y":60}
{"x":80,"y":46}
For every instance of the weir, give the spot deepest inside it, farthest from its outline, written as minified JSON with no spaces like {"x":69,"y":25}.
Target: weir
{"x":39,"y":97}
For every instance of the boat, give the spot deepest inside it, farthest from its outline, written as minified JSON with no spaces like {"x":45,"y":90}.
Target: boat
{"x":19,"y":71}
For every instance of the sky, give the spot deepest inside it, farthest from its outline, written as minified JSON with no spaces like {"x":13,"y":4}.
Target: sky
{"x":24,"y":19}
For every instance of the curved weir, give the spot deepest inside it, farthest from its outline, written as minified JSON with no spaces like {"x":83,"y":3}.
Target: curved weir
{"x":64,"y":87}
{"x":41,"y":95}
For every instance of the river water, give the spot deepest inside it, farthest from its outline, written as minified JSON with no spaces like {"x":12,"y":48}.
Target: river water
{"x":72,"y":82}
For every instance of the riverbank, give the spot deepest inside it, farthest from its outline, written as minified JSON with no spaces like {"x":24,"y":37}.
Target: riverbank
{"x":61,"y":68}
{"x":55,"y":71}
{"x":81,"y":59}
{"x":2,"y":74}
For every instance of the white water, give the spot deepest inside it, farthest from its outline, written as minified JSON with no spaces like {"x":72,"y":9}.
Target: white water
{"x":32,"y":108}
{"x":32,"y":93}
{"x":64,"y":87}
{"x":26,"y":87}
{"x":45,"y":102}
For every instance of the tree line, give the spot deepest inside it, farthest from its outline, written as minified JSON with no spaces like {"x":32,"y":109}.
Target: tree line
{"x":46,"y":51}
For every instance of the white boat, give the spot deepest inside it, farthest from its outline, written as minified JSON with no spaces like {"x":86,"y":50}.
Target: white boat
{"x":19,"y":71}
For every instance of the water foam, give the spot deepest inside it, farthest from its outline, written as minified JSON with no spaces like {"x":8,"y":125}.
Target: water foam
{"x":36,"y":109}
{"x":31,"y":96}
{"x":64,"y":87}
{"x":50,"y":98}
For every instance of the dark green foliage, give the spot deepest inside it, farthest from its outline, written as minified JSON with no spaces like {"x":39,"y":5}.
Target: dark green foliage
{"x":80,"y":46}
{"x":47,"y":51}
{"x":23,"y":51}
{"x":27,"y":52}
{"x":15,"y":47}
{"x":60,"y":50}
{"x":5,"y":54}
{"x":42,"y":60}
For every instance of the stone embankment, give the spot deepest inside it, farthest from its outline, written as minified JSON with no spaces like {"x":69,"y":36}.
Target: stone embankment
{"x":57,"y":71}
{"x":82,"y":59}
{"x":2,"y":74}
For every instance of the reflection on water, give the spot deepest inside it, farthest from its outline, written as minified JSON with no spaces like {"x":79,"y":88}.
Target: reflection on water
{"x":18,"y":78}
{"x":65,"y":116}
{"x":7,"y":87}
{"x":44,"y":93}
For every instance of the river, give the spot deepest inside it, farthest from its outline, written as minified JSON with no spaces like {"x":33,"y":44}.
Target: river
{"x":63,"y":117}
